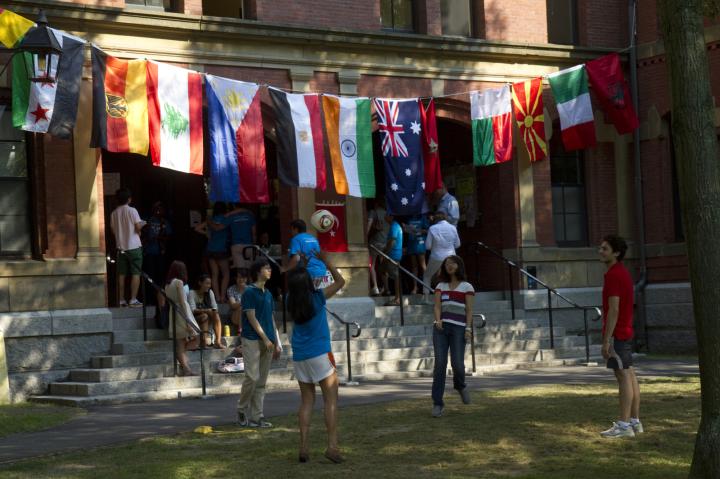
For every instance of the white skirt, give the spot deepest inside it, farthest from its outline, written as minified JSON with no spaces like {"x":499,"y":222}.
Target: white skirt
{"x":315,"y":369}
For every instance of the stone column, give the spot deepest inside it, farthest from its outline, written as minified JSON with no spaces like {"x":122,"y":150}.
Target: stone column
{"x":526,"y":191}
{"x":86,"y":175}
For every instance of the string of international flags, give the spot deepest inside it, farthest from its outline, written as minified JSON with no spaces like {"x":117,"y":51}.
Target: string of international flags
{"x":147,"y":107}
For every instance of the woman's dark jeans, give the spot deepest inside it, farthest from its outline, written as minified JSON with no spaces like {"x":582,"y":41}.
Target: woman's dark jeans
{"x":451,"y":337}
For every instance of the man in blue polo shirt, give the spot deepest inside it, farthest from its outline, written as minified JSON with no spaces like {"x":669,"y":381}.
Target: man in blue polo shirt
{"x":260,"y":345}
{"x":305,"y":247}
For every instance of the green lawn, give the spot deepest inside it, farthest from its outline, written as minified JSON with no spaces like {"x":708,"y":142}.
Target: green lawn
{"x":26,"y":417}
{"x":533,"y":432}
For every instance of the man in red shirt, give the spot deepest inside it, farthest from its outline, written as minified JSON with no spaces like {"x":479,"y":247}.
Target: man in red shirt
{"x":617,"y":334}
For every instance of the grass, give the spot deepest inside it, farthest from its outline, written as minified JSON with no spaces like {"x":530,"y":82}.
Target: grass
{"x":533,"y":432}
{"x":27,"y":417}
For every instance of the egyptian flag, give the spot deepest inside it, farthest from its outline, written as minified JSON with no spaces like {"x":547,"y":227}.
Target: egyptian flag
{"x":607,"y":79}
{"x":13,"y":27}
{"x":120,"y":108}
{"x":335,"y":240}
{"x":528,"y":107}
{"x":49,"y":107}
{"x":299,"y":132}
{"x":433,"y":175}
{"x":238,"y":171}
{"x":175,"y":114}
{"x":491,"y":126}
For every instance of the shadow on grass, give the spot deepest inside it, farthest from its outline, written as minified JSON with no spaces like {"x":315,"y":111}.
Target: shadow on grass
{"x":532,"y":432}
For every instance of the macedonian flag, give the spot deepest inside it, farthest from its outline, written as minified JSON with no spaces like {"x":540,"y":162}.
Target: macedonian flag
{"x":528,"y":107}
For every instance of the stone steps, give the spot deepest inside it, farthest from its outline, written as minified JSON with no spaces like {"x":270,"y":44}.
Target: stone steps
{"x":138,"y":370}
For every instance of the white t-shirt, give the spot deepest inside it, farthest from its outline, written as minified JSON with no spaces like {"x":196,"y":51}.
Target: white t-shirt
{"x":122,"y":222}
{"x":442,"y":239}
{"x":198,"y":302}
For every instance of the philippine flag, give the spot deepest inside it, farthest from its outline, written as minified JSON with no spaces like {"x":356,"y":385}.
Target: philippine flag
{"x":238,"y":171}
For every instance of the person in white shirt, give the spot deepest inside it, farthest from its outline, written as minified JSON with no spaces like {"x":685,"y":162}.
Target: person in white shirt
{"x":126,"y":225}
{"x":442,"y":240}
{"x":448,"y":204}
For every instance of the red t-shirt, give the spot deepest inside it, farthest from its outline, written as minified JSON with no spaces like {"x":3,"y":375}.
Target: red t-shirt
{"x":619,"y":283}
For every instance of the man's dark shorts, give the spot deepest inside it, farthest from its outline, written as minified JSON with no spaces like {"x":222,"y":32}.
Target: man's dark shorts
{"x":620,"y":355}
{"x":130,"y":263}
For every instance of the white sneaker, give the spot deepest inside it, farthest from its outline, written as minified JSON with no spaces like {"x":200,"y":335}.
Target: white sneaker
{"x":618,"y":431}
{"x":637,"y":427}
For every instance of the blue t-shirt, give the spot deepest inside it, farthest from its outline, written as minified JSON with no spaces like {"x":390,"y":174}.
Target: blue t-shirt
{"x":217,"y":243}
{"x":307,"y":245}
{"x":396,"y":234}
{"x":156,"y":227}
{"x":415,"y":240}
{"x":312,"y":339}
{"x":260,"y":301}
{"x":241,"y":224}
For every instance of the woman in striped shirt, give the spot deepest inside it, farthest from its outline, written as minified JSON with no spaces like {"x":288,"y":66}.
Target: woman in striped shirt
{"x":453,"y":324}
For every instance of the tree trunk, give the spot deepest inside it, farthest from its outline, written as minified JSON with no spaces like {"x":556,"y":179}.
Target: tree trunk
{"x":698,"y":166}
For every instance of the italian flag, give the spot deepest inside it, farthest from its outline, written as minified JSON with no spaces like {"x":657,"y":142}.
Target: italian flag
{"x":570,"y":89}
{"x":175,"y":117}
{"x":491,"y":126}
{"x":347,"y":124}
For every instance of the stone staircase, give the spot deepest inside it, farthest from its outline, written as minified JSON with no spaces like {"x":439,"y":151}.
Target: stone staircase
{"x":137,"y":370}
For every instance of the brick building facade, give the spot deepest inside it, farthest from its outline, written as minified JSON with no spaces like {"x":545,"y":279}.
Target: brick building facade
{"x":388,"y":48}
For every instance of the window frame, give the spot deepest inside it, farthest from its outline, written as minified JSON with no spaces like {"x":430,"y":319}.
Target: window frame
{"x":393,"y":28}
{"x":574,"y":23}
{"x":30,"y":188}
{"x":580,"y":183}
{"x":471,"y":21}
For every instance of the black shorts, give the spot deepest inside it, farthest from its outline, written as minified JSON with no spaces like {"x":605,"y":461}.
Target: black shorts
{"x":620,"y":355}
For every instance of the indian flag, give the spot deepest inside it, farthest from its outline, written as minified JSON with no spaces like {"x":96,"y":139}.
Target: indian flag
{"x":570,"y":89}
{"x":347,"y":123}
{"x":491,"y":126}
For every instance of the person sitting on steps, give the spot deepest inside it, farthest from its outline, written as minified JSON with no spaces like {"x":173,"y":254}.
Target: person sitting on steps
{"x":203,"y":306}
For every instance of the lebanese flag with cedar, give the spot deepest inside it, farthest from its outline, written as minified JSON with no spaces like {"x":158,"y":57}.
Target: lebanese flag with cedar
{"x":175,"y":117}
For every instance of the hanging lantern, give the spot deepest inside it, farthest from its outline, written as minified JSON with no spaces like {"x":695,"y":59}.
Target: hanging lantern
{"x":41,"y":52}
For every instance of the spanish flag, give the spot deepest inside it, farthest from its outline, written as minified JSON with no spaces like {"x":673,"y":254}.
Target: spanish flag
{"x":120,"y":104}
{"x":13,"y":27}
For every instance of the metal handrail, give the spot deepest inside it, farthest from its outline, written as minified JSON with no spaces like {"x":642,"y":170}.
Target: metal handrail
{"x":472,"y":336}
{"x":550,"y":291}
{"x":347,"y":339}
{"x":282,"y":285}
{"x":404,"y":270}
{"x":176,"y":310}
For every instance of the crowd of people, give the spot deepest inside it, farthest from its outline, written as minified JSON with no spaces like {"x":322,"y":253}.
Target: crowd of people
{"x":195,"y":322}
{"x":422,"y":242}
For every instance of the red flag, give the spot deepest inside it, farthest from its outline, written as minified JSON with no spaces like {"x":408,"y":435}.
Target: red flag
{"x":607,"y":79}
{"x":528,"y":106}
{"x":335,"y":240}
{"x":433,"y":176}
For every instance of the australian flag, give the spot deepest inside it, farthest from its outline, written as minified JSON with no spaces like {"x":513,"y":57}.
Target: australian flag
{"x":400,"y":130}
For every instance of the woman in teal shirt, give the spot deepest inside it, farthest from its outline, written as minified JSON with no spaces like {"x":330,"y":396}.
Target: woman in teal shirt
{"x":312,"y":355}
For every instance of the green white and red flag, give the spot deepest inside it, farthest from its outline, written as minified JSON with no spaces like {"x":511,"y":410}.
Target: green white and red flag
{"x":572,"y":97}
{"x":491,"y":126}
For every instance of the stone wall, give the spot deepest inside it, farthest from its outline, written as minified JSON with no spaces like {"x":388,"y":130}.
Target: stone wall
{"x":43,"y":346}
{"x":670,"y":323}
